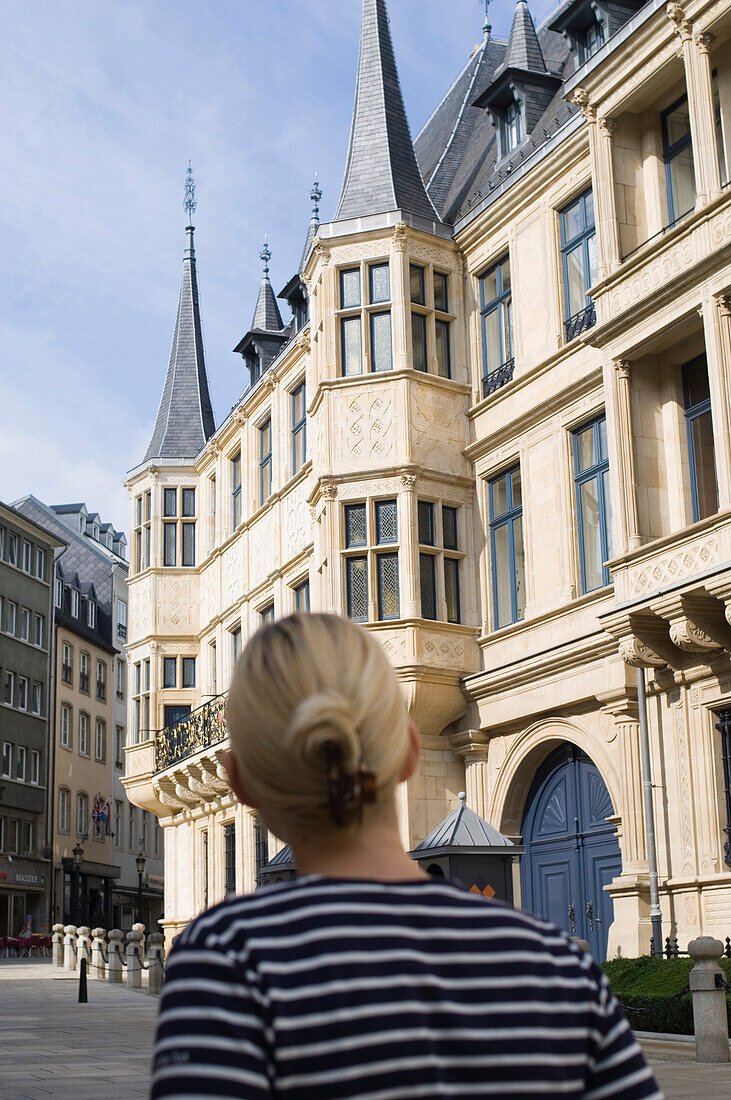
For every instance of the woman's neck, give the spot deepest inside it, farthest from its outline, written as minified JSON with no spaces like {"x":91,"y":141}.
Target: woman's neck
{"x":373,"y":851}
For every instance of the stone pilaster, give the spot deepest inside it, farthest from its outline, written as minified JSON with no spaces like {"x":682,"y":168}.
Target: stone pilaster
{"x":409,"y":541}
{"x":400,"y":296}
{"x":602,"y":172}
{"x":624,"y":482}
{"x":716,"y":314}
{"x":473,"y":747}
{"x":695,"y":47}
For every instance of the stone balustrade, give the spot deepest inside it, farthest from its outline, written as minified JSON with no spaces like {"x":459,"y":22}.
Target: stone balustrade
{"x":107,"y":959}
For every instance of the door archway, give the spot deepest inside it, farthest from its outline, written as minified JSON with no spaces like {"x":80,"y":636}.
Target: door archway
{"x":571,"y":851}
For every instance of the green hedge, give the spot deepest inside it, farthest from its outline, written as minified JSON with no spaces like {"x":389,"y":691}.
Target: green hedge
{"x":644,"y":985}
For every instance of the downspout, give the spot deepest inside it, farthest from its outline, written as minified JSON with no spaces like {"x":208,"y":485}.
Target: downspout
{"x":655,"y":911}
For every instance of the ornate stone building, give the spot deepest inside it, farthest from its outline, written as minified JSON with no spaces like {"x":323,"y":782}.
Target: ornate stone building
{"x":496,"y":430}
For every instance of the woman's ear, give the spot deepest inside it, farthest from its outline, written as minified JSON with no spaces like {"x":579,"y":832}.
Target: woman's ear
{"x":232,"y":771}
{"x":413,"y":756}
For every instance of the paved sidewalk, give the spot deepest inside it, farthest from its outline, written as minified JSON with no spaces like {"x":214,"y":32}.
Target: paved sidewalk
{"x":51,"y":1046}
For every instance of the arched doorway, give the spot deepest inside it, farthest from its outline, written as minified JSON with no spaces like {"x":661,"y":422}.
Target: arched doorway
{"x":571,"y":851}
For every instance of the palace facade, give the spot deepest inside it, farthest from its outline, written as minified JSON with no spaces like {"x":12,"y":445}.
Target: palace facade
{"x":496,"y":431}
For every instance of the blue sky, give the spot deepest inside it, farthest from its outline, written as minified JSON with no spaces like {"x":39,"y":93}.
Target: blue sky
{"x":102,"y":102}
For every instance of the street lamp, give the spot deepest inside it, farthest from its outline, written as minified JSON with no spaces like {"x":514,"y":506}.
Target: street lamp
{"x":78,"y":855}
{"x":140,"y":861}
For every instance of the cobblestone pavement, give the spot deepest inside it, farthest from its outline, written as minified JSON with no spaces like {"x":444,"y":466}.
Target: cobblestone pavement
{"x":51,"y":1046}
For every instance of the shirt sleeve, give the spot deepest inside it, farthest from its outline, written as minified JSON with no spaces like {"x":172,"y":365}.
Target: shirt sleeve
{"x":618,"y":1067}
{"x":211,"y":1031}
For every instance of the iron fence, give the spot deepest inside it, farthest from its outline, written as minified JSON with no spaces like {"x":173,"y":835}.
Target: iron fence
{"x":201,"y":728}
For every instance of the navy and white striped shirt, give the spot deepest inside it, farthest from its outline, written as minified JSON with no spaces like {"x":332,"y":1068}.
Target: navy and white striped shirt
{"x":333,"y":988}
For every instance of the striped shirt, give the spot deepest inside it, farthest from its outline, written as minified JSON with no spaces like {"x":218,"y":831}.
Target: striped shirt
{"x":334,"y":988}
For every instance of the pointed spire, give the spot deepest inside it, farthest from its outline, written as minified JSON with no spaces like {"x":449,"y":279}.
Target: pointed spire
{"x":185,"y":416}
{"x":381,"y":172}
{"x":267,"y":317}
{"x":487,"y":28}
{"x":315,"y":195}
{"x":524,"y":50}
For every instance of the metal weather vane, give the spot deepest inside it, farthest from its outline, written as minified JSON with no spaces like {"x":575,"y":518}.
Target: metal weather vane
{"x":190,"y":202}
{"x":265,"y":255}
{"x":316,"y":195}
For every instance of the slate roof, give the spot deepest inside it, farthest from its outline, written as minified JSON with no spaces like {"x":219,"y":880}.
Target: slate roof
{"x":309,"y":241}
{"x":267,"y":317}
{"x":524,"y":51}
{"x":381,"y":172}
{"x":461,"y":831}
{"x":185,"y":417}
{"x":471,"y":165}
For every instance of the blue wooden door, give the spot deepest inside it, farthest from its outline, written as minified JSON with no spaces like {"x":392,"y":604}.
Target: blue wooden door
{"x":571,"y":851}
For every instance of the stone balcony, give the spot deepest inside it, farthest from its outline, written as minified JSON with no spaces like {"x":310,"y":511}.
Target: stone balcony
{"x":674,"y":597}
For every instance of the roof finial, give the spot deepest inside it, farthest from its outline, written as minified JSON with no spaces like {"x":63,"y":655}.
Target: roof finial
{"x":190,"y":202}
{"x":265,"y":255}
{"x":316,"y":195}
{"x":486,"y":26}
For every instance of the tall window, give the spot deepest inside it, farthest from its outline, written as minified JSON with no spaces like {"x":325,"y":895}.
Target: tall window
{"x":593,"y":504}
{"x":302,"y":596}
{"x":143,"y":526}
{"x":7,"y":764}
{"x":367,"y":533}
{"x":265,"y":461}
{"x":8,"y":687}
{"x":38,"y":625}
{"x":266,"y":615}
{"x":101,"y":680}
{"x":91,"y":614}
{"x":35,"y":767}
{"x":27,"y":556}
{"x":204,"y":864}
{"x":430,"y":320}
{"x":37,"y":697}
{"x":118,"y":823}
{"x":439,"y":557}
{"x":66,"y":663}
{"x":119,"y":746}
{"x":63,"y":810}
{"x":591,"y":40}
{"x":40,"y":564}
{"x":510,"y":128}
{"x":724,"y":729}
{"x":229,"y":847}
{"x":703,"y":486}
{"x":141,"y":699}
{"x":84,"y":672}
{"x":677,"y":153}
{"x":212,"y":487}
{"x":100,"y":741}
{"x":82,"y":814}
{"x":188,"y":671}
{"x":21,"y":764}
{"x":11,"y":615}
{"x":179,"y":527}
{"x":299,"y":428}
{"x":169,"y":672}
{"x":58,"y":592}
{"x":579,"y":261}
{"x":65,"y":731}
{"x":506,"y":548}
{"x":22,"y":692}
{"x":122,"y":619}
{"x":261,"y":847}
{"x":235,"y":644}
{"x":236,"y":490}
{"x":377,"y":319}
{"x":75,"y":603}
{"x":83,"y":734}
{"x":131,"y":828}
{"x":496,"y":310}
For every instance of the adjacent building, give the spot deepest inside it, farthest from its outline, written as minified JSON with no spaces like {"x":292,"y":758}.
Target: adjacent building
{"x":97,"y":834}
{"x":496,"y":432}
{"x":27,"y":554}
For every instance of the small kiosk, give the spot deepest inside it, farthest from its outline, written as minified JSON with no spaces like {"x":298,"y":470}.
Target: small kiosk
{"x":466,"y":848}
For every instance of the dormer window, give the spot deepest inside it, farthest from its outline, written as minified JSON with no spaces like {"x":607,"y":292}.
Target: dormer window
{"x":91,"y":614}
{"x":511,"y":129}
{"x":253,"y":364}
{"x":74,"y":603}
{"x":591,"y":40}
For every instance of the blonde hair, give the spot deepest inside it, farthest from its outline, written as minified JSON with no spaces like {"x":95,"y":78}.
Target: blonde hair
{"x":309,"y":690}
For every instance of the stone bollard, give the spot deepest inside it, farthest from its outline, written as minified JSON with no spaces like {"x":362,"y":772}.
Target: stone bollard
{"x":710,"y":1022}
{"x":57,"y":948}
{"x":134,"y":960}
{"x":98,"y":968}
{"x":140,"y":928}
{"x":114,"y":968}
{"x":83,"y":946}
{"x":69,"y":947}
{"x":155,"y":954}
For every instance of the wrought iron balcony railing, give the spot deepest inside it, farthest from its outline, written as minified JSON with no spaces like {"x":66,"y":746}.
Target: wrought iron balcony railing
{"x":580,"y":322}
{"x":202,"y":727}
{"x":497,"y":378}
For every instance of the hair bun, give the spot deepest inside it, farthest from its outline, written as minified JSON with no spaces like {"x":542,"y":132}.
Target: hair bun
{"x":324,"y":718}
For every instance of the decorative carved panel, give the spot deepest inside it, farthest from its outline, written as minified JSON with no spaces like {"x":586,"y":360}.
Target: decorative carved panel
{"x":684,"y":562}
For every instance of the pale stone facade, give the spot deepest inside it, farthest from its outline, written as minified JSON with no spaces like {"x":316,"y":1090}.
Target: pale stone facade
{"x":493,"y":699}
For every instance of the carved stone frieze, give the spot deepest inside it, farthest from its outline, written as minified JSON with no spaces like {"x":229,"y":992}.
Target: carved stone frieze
{"x":654,"y":275}
{"x":683,"y":562}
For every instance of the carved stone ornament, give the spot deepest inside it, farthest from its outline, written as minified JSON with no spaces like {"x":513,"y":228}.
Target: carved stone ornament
{"x":322,"y":253}
{"x":168,"y":799}
{"x":154,"y":474}
{"x":270,"y":382}
{"x":622,"y":367}
{"x":408,"y":481}
{"x":689,"y":637}
{"x":212,"y":778}
{"x":206,"y":792}
{"x":154,"y":646}
{"x":329,"y":490}
{"x":303,"y":342}
{"x":240,"y":417}
{"x":400,"y":236}
{"x":185,"y":794}
{"x":724,"y":304}
{"x":580,"y":97}
{"x":608,"y":125}
{"x":683,"y":26}
{"x":704,"y":41}
{"x":638,"y":654}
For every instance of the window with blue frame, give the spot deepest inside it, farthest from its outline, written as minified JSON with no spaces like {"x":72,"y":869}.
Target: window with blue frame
{"x":591,"y":40}
{"x":510,"y":128}
{"x":496,"y":311}
{"x":299,"y":428}
{"x":699,"y":425}
{"x":579,"y":262}
{"x":677,"y":151}
{"x":593,"y":504}
{"x":265,"y":461}
{"x":506,"y":548}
